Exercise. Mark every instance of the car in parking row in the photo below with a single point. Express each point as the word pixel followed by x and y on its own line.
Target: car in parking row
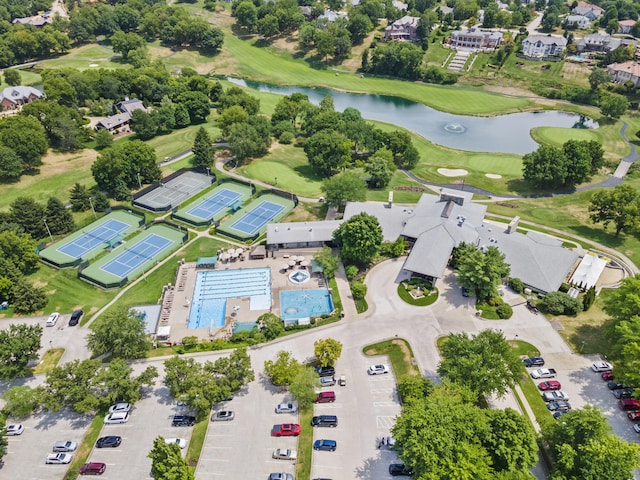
pixel 58 458
pixel 14 429
pixel 52 319
pixel 65 446
pixel 286 408
pixel 284 454
pixel 378 369
pixel 110 441
pixel 286 430
pixel 601 367
pixel 325 397
pixel 326 371
pixel 327 381
pixel 93 468
pixel 559 406
pixel 223 416
pixel 555 395
pixel 623 393
pixel 330 421
pixel 549 385
pixel 399 470
pixel 117 417
pixel 533 362
pixel 183 421
pixel 325 445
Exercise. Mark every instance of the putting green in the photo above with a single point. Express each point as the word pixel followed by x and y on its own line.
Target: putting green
pixel 557 136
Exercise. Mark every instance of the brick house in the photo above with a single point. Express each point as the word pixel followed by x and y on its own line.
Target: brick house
pixel 625 26
pixel 403 29
pixel 625 72
pixel 14 97
pixel 475 39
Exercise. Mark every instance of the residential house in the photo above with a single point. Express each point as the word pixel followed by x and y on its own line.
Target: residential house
pixel 601 42
pixel 539 47
pixel 403 29
pixel 625 72
pixel 400 5
pixel 578 21
pixel 475 39
pixel 592 12
pixel 331 16
pixel 625 26
pixel 444 9
pixel 121 120
pixel 36 20
pixel 14 97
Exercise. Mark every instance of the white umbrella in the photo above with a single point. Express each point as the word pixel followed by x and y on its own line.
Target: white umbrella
pixel 239 251
pixel 285 267
pixel 292 263
pixel 301 258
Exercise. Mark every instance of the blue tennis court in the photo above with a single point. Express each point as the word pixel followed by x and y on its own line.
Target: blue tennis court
pixel 134 256
pixel 258 217
pixel 209 207
pixel 93 238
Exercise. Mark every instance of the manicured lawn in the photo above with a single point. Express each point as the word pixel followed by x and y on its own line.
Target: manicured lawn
pixel 537 404
pixel 524 348
pixel 557 136
pixel 305 444
pixel 584 332
pixel 404 294
pixel 84 449
pixel 84 57
pixel 50 360
pixel 197 441
pixel 400 354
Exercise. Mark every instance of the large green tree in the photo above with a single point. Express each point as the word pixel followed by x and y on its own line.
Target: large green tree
pixel 167 462
pixel 359 239
pixel 20 251
pixel 10 165
pixel 328 151
pixel 546 167
pixel 19 344
pixel 613 105
pixel 120 332
pixel 619 206
pixel 21 400
pixel 3 438
pixel 79 198
pixel 344 187
pixel 283 369
pixel 59 219
pixel 27 298
pixel 203 150
pixel 380 168
pixel 117 383
pixel 485 363
pixel 327 351
pixel 72 384
pixel 25 136
pixel 303 387
pixel 30 215
pixel 329 262
pixel 481 271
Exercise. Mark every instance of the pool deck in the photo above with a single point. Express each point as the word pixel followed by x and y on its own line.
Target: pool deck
pixel 177 312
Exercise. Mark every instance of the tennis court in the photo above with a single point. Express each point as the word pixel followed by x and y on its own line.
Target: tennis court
pixel 251 222
pixel 90 241
pixel 169 194
pixel 215 205
pixel 135 256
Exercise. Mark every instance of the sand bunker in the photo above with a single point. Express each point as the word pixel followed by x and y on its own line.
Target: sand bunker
pixel 495 176
pixel 455 172
pixel 94 65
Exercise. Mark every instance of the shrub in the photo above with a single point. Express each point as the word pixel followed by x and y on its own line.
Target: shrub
pixel 559 303
pixel 351 271
pixel 589 298
pixel 358 290
pixel 495 301
pixel 504 311
pixel 286 138
pixel 189 342
pixel 564 288
pixel 516 285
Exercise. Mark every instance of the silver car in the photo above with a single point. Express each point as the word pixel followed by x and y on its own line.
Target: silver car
pixel 223 416
pixel 327 381
pixel 555 395
pixel 286 408
pixel 284 454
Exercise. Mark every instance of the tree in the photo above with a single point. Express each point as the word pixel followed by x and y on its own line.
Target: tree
pixel 344 187
pixel 246 15
pixel 579 162
pixel 230 116
pixel 59 219
pixel 3 437
pixel 144 124
pixel 328 260
pixel 126 43
pixel 29 214
pixel 19 344
pixel 268 26
pixel 414 388
pixel 246 141
pixel 597 77
pixel 72 384
pixel 271 326
pixel 328 151
pixel 79 198
pixel 283 370
pixel 103 139
pixel 100 202
pixel 20 251
pixel 21 400
pixel 546 167
pixel 12 77
pixel 303 387
pixel 624 302
pixel 203 150
pixel 613 105
pixel 118 385
pixel 620 206
pixel 560 303
pixel 482 271
pixel 28 298
pixel 511 441
pixel 167 462
pixel 25 136
pixel 359 239
pixel 380 168
pixel 327 351
pixel 197 104
pixel 485 363
pixel 10 165
pixel 120 332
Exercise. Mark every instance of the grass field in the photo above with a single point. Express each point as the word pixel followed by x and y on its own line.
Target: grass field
pixel 49 361
pixel 557 136
pixel 400 355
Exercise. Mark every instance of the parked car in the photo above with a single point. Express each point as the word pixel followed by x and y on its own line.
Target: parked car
pixel 325 397
pixel 325 421
pixel 325 445
pixel 533 362
pixel 181 442
pixel 286 408
pixel 286 430
pixel 554 396
pixel 117 417
pixel 327 381
pixel 14 429
pixel 636 427
pixel 629 404
pixel 544 373
pixel 280 476
pixel 183 421
pixel 399 469
pixel 223 416
pixel 284 454
pixel 53 319
pixel 549 385
pixel 120 407
pixel 623 393
pixel 111 441
pixel 378 369
pixel 59 458
pixel 326 371
pixel 559 413
pixel 601 367
pixel 93 468
pixel 65 446
pixel 561 405
pixel 606 376
pixel 616 385
pixel 633 416
pixel 75 317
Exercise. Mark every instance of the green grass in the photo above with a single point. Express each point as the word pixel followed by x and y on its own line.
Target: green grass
pixel 84 449
pixel 361 305
pixel 520 347
pixel 305 444
pixel 83 57
pixel 400 355
pixel 197 441
pixel 335 294
pixel 404 294
pixel 49 361
pixel 488 312
pixel 557 136
pixel 535 401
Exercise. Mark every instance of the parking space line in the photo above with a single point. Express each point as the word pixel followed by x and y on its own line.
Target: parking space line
pixel 385 404
pixel 385 421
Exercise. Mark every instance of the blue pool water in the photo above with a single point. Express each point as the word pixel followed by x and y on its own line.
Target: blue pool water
pixel 213 288
pixel 305 303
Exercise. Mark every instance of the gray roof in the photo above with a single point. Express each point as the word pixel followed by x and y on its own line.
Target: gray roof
pixel 114 121
pixel 130 106
pixel 547 39
pixel 149 314
pixel 297 232
pixel 391 219
pixel 19 93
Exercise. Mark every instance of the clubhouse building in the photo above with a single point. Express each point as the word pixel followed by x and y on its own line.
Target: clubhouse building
pixel 434 227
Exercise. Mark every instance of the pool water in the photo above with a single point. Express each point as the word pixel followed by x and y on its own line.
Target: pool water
pixel 213 288
pixel 296 304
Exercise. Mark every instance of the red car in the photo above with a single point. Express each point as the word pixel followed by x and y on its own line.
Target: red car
pixel 633 416
pixel 606 376
pixel 549 385
pixel 93 468
pixel 286 430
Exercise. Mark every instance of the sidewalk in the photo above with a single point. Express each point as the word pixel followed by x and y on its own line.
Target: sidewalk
pixel 344 290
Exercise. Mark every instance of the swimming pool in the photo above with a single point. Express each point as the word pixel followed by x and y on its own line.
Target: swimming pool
pixel 296 304
pixel 213 288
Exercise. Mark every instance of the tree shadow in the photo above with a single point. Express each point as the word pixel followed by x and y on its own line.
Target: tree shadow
pixel 307 171
pixel 590 339
pixel 375 467
pixel 46 419
pixel 600 235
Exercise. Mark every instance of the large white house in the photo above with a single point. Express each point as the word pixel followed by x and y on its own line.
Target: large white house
pixel 539 47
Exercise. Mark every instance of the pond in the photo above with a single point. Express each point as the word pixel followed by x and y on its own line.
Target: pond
pixel 503 133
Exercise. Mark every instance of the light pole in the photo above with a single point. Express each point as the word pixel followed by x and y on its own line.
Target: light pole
pixel 208 170
pixel 48 231
pixel 139 182
pixel 92 208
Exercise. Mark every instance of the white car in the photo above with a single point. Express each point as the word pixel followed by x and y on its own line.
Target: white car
pixel 117 417
pixel 223 416
pixel 284 454
pixel 181 442
pixel 378 369
pixel 14 429
pixel 555 396
pixel 120 407
pixel 602 367
pixel 58 458
pixel 53 319
pixel 286 408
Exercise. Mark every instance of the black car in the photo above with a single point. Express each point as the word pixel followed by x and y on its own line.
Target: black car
pixel 111 441
pixel 75 317
pixel 623 393
pixel 399 469
pixel 616 385
pixel 326 371
pixel 533 362
pixel 183 421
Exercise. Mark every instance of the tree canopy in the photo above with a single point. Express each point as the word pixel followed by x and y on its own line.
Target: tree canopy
pixel 327 351
pixel 328 151
pixel 283 369
pixel 120 332
pixel 619 206
pixel 19 344
pixel 359 239
pixel 480 271
pixel 344 187
pixel 167 462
